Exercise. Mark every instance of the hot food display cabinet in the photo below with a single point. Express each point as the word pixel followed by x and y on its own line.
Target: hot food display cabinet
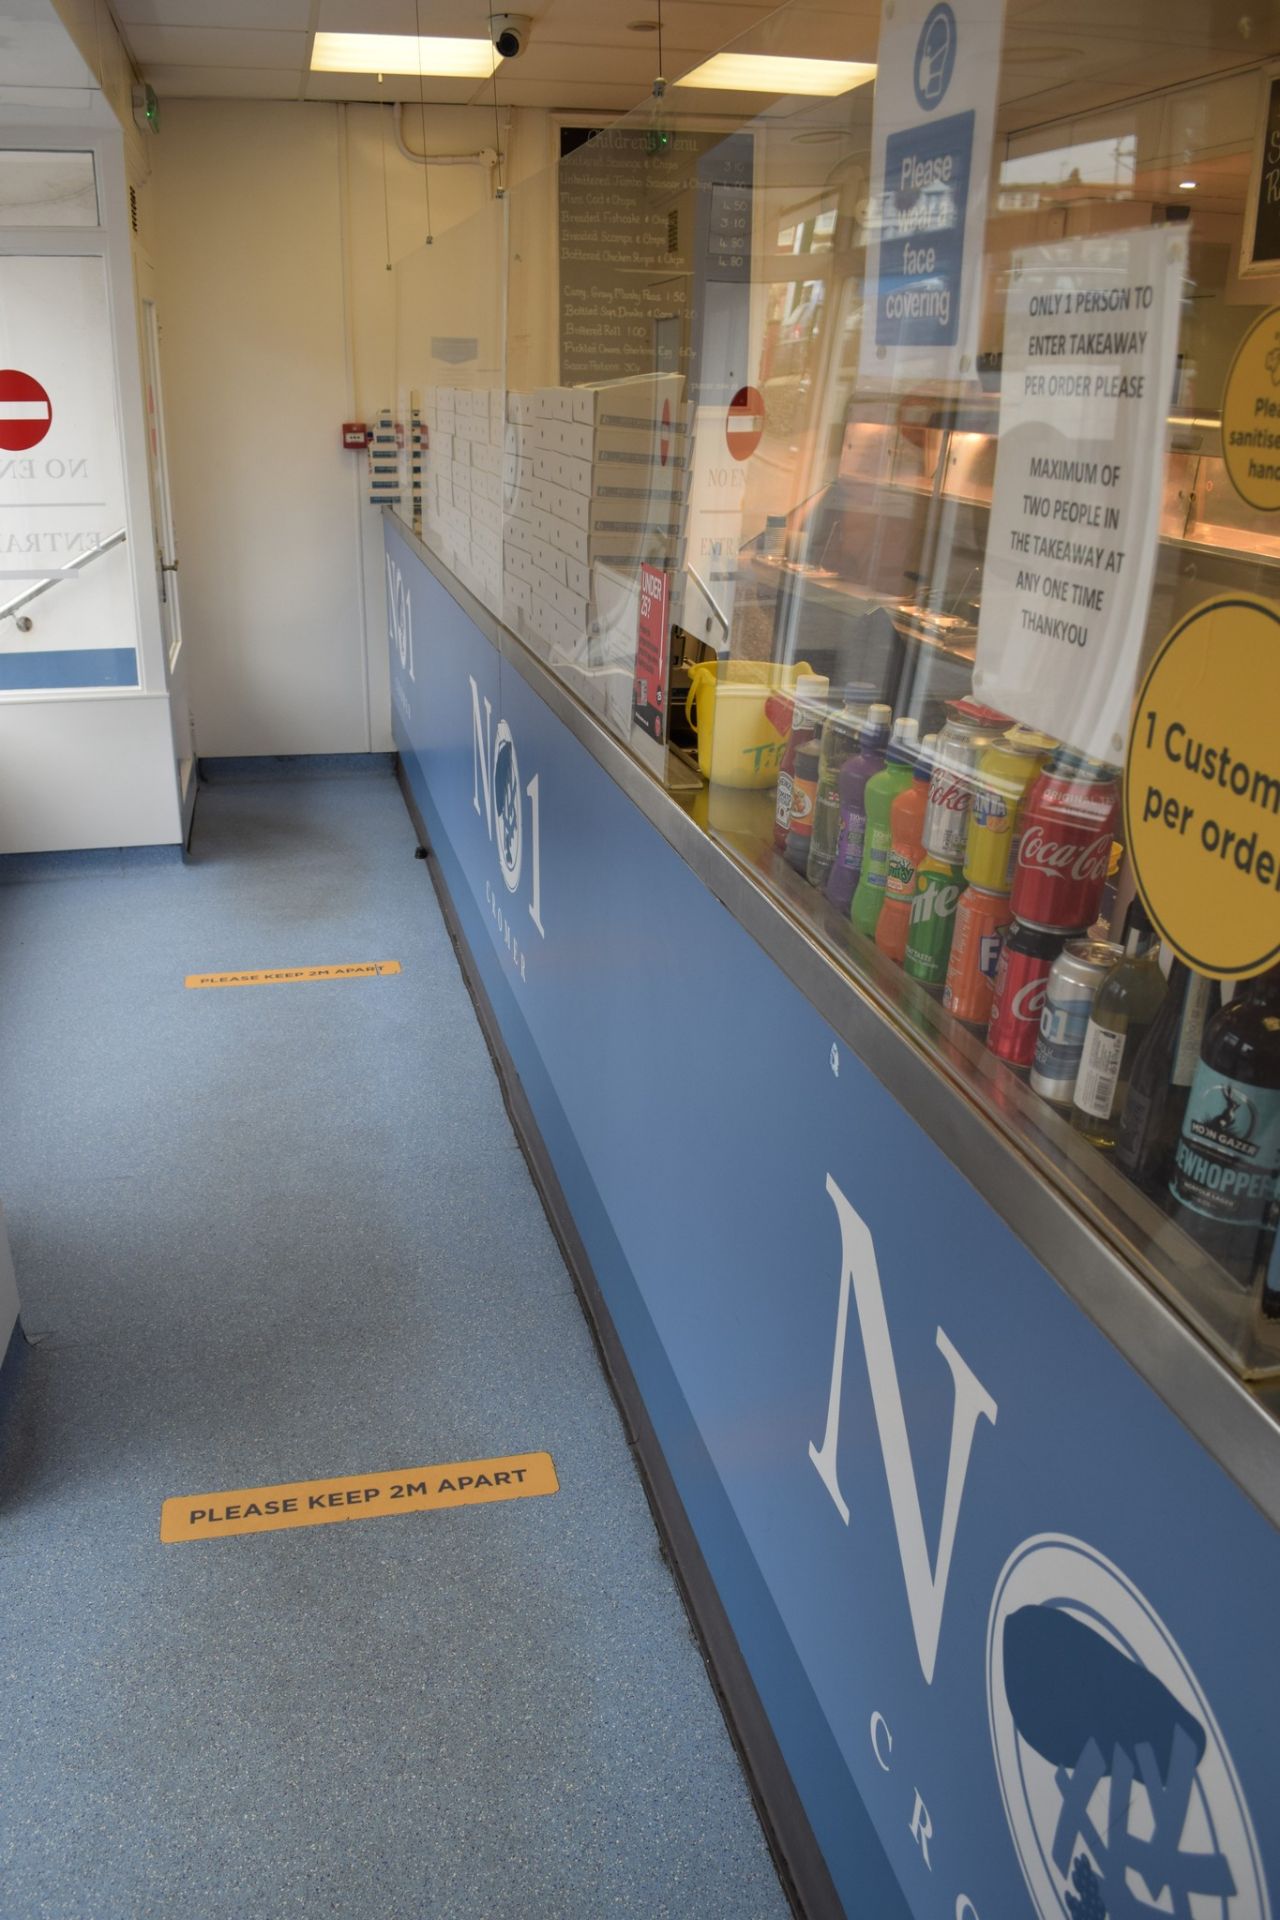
pixel 833 604
pixel 886 607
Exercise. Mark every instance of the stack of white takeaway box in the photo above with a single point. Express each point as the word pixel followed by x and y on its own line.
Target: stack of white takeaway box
pixel 463 486
pixel 544 498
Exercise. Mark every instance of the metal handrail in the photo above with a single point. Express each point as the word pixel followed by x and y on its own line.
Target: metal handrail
pixel 10 608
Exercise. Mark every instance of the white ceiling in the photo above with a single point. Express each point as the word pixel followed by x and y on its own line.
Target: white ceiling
pixel 1061 56
pixel 36 49
pixel 581 53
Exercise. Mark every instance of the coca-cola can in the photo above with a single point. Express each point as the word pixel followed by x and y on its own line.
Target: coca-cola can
pixel 1022 975
pixel 1064 850
pixel 968 730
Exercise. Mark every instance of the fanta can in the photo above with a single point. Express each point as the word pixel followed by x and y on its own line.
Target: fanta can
pixel 982 921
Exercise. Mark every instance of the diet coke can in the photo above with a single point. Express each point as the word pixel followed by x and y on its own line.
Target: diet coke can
pixel 1022 975
pixel 969 728
pixel 1065 848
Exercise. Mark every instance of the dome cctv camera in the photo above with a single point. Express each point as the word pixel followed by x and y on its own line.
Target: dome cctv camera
pixel 510 33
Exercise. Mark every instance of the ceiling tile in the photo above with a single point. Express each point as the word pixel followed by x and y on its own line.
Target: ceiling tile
pixel 850 31
pixel 39 53
pixel 223 83
pixel 469 18
pixel 216 47
pixel 583 96
pixel 685 23
pixel 269 15
pixel 364 86
pixel 633 66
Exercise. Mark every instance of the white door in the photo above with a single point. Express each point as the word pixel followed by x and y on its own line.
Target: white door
pixel 166 542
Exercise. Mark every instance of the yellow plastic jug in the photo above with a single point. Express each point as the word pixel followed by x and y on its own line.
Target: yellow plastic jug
pixel 731 707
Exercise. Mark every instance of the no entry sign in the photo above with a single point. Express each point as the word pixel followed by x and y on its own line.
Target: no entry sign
pixel 744 427
pixel 26 412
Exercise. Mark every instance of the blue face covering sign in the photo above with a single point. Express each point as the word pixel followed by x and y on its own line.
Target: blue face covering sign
pixel 1013 1628
pixel 938 67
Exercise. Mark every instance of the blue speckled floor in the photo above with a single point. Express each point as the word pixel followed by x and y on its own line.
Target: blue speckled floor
pixel 285 1232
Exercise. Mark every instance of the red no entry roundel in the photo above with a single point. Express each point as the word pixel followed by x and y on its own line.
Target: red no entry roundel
pixel 744 428
pixel 26 412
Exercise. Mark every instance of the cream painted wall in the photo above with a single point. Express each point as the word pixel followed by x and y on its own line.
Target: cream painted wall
pixel 278 323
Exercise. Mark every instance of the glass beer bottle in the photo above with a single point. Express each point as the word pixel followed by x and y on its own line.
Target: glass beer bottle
pixel 1226 1173
pixel 1163 1069
pixel 1127 1002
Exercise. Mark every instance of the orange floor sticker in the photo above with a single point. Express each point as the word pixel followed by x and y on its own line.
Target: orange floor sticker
pixel 276 976
pixel 317 1503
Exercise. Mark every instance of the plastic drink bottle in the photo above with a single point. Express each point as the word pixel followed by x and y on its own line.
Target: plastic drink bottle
pixel 840 737
pixel 882 790
pixel 906 851
pixel 804 792
pixel 852 783
pixel 806 719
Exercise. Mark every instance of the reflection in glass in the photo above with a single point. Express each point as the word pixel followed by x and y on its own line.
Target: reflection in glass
pixel 669 383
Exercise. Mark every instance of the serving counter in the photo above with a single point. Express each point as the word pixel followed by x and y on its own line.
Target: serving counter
pixel 978 1530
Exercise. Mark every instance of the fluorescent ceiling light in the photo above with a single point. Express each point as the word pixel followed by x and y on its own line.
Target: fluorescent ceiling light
pixel 1185 186
pixel 403 53
pixel 765 73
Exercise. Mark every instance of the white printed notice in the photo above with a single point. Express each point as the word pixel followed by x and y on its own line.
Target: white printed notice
pixel 1091 331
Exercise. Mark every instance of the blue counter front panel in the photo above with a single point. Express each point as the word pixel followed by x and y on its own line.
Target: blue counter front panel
pixel 1012 1628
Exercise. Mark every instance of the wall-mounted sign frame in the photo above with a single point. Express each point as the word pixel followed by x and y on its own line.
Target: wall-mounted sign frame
pixel 1260 241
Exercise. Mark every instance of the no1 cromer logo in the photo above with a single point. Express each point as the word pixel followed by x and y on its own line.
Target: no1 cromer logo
pixel 1121 1796
pixel 497 796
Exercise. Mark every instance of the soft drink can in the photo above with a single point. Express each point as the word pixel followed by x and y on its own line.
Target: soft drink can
pixel 969 728
pixel 982 921
pixel 933 916
pixel 1022 977
pixel 1064 849
pixel 1078 972
pixel 1004 773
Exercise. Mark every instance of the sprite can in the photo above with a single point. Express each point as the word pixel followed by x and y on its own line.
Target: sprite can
pixel 939 884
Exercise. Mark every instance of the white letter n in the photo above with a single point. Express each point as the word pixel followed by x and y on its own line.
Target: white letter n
pixel 481 763
pixel 926 1586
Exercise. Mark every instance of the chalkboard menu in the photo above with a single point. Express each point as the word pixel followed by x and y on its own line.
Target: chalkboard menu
pixel 626 203
pixel 1261 245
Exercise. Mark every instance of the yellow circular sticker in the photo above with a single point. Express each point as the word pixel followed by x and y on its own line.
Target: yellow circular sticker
pixel 1202 787
pixel 1251 415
